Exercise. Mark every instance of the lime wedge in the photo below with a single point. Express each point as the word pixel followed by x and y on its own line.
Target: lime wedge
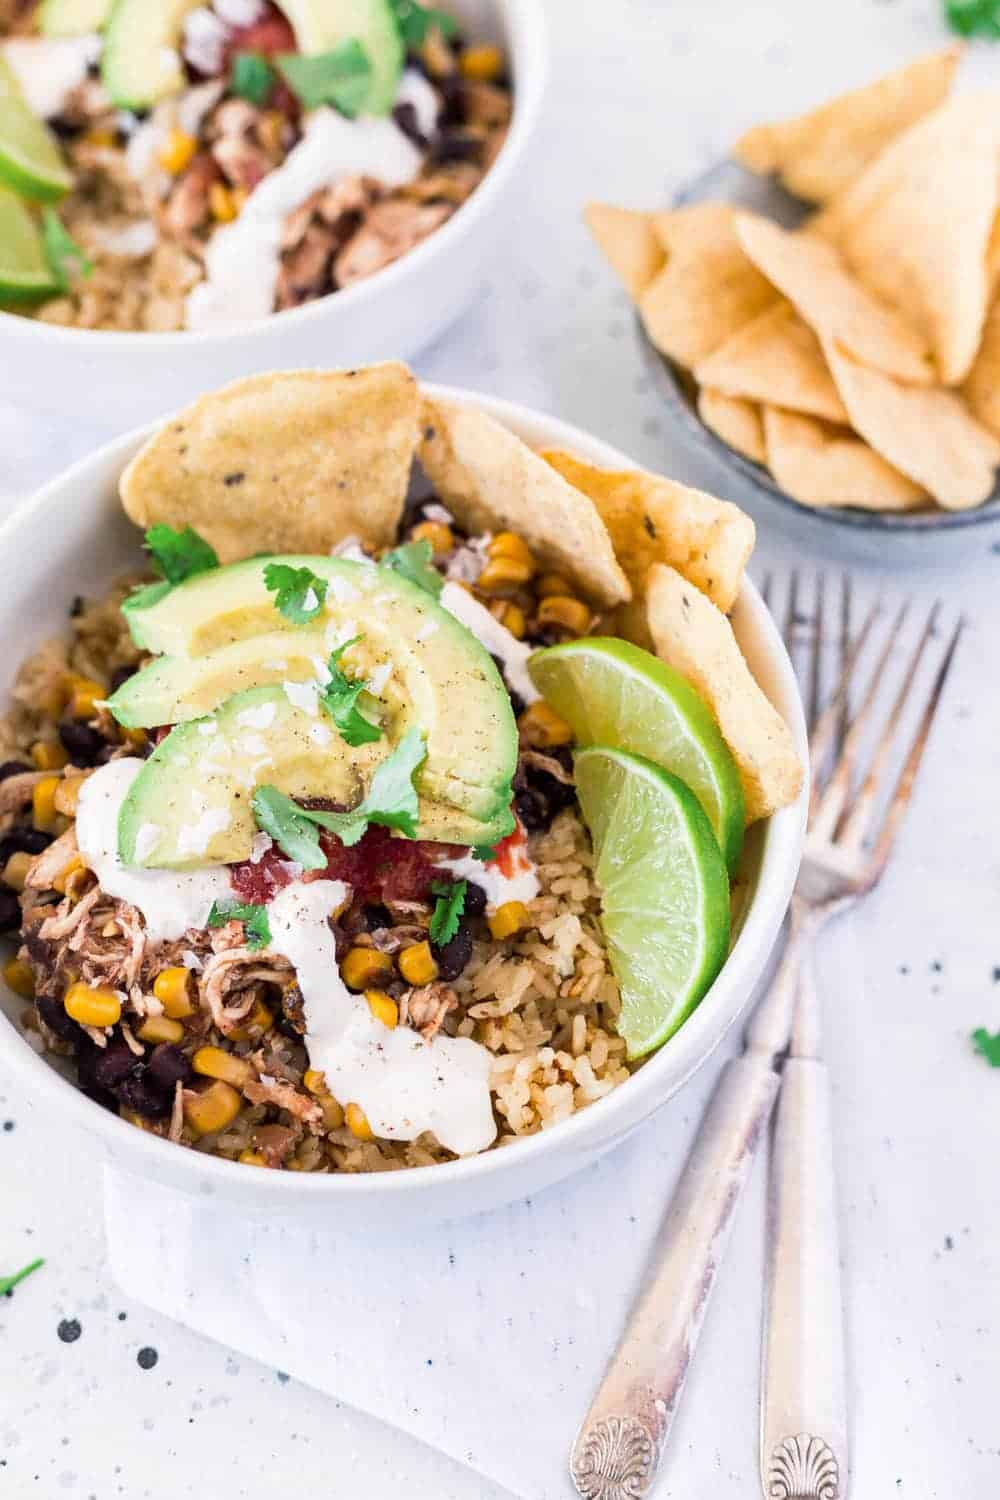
pixel 614 693
pixel 664 890
pixel 25 275
pixel 30 159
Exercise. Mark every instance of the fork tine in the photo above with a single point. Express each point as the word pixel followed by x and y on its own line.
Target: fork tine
pixel 791 610
pixel 817 650
pixel 908 775
pixel 852 831
pixel 766 585
pixel 830 804
pixel 845 643
pixel 826 725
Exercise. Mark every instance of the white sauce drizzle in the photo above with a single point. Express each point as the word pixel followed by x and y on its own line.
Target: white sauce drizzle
pixel 523 885
pixel 48 69
pixel 417 90
pixel 495 637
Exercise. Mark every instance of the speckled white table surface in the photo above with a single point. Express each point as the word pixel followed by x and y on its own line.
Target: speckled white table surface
pixel 643 94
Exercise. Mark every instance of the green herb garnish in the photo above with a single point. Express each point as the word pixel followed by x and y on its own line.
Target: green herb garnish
pixel 390 800
pixel 8 1283
pixel 415 21
pixel 253 917
pixel 413 562
pixel 987 1045
pixel 178 555
pixel 67 262
pixel 484 852
pixel 341 77
pixel 448 909
pixel 973 17
pixel 301 593
pixel 252 77
pixel 340 700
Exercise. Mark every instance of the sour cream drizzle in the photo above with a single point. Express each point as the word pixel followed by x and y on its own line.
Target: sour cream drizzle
pixel 495 637
pixel 48 69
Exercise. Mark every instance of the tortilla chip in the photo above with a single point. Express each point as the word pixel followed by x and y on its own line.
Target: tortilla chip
pixel 493 481
pixel 695 638
pixel 818 154
pixel 927 434
pixel 812 275
pixel 651 519
pixel 776 359
pixel 628 243
pixel 822 465
pixel 706 290
pixel 735 420
pixel 916 227
pixel 287 462
pixel 982 384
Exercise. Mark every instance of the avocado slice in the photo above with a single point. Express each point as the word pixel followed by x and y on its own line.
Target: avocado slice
pixel 191 802
pixel 323 25
pixel 73 17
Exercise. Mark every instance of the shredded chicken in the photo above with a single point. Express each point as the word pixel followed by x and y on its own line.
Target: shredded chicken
pixel 424 1009
pixel 389 230
pixel 46 867
pixel 547 763
pixel 274 1142
pixel 15 791
pixel 69 918
pixel 177 1113
pixel 270 1090
pixel 233 972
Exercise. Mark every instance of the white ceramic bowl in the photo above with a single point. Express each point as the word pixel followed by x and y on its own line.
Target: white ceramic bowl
pixel 73 537
pixel 133 377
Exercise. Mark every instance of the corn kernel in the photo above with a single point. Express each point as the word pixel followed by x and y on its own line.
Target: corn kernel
pixel 212 1109
pixel 482 64
pixel 172 987
pixel 416 964
pixel 160 1029
pixel 65 880
pixel 222 203
pixel 315 1081
pixel 68 795
pixel 15 871
pixel 383 1007
pixel 18 977
pixel 512 618
pixel 440 536
pixel 508 919
pixel 92 1006
pixel 131 1117
pixel 571 614
pixel 213 1062
pixel 136 739
pixel 552 583
pixel 509 544
pixel 83 698
pixel 362 965
pixel 43 803
pixel 333 1114
pixel 357 1122
pixel 252 1159
pixel 48 755
pixel 502 573
pixel 176 152
pixel 100 136
pixel 540 725
pixel 260 1018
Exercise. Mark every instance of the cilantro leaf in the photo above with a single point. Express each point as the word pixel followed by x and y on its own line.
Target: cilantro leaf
pixel 987 1046
pixel 177 555
pixel 252 77
pixel 340 698
pixel 974 17
pixel 67 261
pixel 485 852
pixel 413 561
pixel 300 592
pixel 415 21
pixel 289 826
pixel 341 77
pixel 253 917
pixel 8 1283
pixel 448 909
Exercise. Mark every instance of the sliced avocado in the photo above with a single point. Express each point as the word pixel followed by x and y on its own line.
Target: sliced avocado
pixel 224 634
pixel 191 802
pixel 73 17
pixel 323 25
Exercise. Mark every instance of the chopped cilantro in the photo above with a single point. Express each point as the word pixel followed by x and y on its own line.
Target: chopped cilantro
pixel 252 77
pixel 415 21
pixel 484 852
pixel 974 17
pixel 987 1045
pixel 340 700
pixel 177 555
pixel 390 800
pixel 67 261
pixel 300 592
pixel 448 909
pixel 341 77
pixel 253 917
pixel 413 561
pixel 8 1283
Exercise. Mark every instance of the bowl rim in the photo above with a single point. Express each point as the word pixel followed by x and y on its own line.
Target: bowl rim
pixel 602 1120
pixel 527 37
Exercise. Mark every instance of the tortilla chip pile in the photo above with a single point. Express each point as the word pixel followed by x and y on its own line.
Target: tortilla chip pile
pixel 301 461
pixel 857 357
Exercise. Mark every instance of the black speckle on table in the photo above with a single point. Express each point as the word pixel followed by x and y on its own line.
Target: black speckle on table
pixel 69 1330
pixel 936 966
pixel 122 1316
pixel 283 1376
pixel 146 1358
pixel 996 973
pixel 904 968
pixel 8 1126
pixel 949 1243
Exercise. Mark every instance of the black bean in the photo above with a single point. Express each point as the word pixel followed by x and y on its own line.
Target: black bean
pixel 374 917
pixel 453 956
pixel 10 911
pixel 169 1065
pixel 452 91
pixel 405 117
pixel 517 703
pixel 455 145
pixel 82 744
pixel 22 840
pixel 142 1094
pixel 532 809
pixel 120 675
pixel 475 899
pixel 13 768
pixel 104 1068
pixel 52 1013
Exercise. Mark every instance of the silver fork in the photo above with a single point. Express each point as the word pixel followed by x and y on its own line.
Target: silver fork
pixel 803 1453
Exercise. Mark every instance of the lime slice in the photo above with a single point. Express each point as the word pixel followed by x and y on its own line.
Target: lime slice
pixel 613 693
pixel 30 159
pixel 664 890
pixel 25 275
